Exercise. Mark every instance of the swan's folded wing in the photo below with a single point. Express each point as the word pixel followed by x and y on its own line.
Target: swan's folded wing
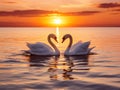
pixel 85 45
pixel 75 45
pixel 35 46
pixel 80 48
pixel 43 45
pixel 39 47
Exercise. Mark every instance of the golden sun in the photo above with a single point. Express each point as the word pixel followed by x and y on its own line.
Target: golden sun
pixel 57 21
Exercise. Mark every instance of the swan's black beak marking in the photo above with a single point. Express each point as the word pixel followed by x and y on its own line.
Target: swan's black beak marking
pixel 63 40
pixel 56 40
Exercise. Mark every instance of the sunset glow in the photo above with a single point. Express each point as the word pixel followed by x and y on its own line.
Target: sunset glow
pixel 75 13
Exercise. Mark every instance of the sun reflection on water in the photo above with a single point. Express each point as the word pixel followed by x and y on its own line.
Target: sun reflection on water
pixel 57 33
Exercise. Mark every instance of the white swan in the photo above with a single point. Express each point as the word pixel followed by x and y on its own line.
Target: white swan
pixel 78 48
pixel 43 49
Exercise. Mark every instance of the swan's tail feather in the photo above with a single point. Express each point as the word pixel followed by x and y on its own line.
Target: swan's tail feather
pixel 91 48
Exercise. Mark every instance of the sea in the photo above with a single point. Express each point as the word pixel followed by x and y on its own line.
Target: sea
pixel 97 71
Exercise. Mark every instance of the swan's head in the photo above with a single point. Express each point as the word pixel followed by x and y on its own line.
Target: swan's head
pixel 65 37
pixel 53 36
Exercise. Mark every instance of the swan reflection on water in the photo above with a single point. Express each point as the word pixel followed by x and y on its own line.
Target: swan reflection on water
pixel 38 61
pixel 61 67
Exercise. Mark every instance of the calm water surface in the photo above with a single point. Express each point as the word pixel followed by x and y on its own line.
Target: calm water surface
pixel 92 72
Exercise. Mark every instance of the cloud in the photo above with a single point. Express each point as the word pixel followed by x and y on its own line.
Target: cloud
pixel 117 10
pixel 10 2
pixel 82 13
pixel 35 13
pixel 109 5
pixel 25 13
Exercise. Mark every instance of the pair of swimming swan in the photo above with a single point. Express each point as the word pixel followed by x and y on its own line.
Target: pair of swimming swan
pixel 43 49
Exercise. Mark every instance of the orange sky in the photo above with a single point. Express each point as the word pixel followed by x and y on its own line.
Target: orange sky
pixel 32 13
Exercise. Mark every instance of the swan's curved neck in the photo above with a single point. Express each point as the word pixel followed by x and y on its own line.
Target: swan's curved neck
pixel 57 52
pixel 69 46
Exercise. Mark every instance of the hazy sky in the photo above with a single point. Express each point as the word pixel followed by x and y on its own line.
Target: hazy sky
pixel 72 12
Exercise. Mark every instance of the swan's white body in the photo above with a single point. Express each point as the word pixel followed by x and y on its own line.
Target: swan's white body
pixel 79 48
pixel 43 49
